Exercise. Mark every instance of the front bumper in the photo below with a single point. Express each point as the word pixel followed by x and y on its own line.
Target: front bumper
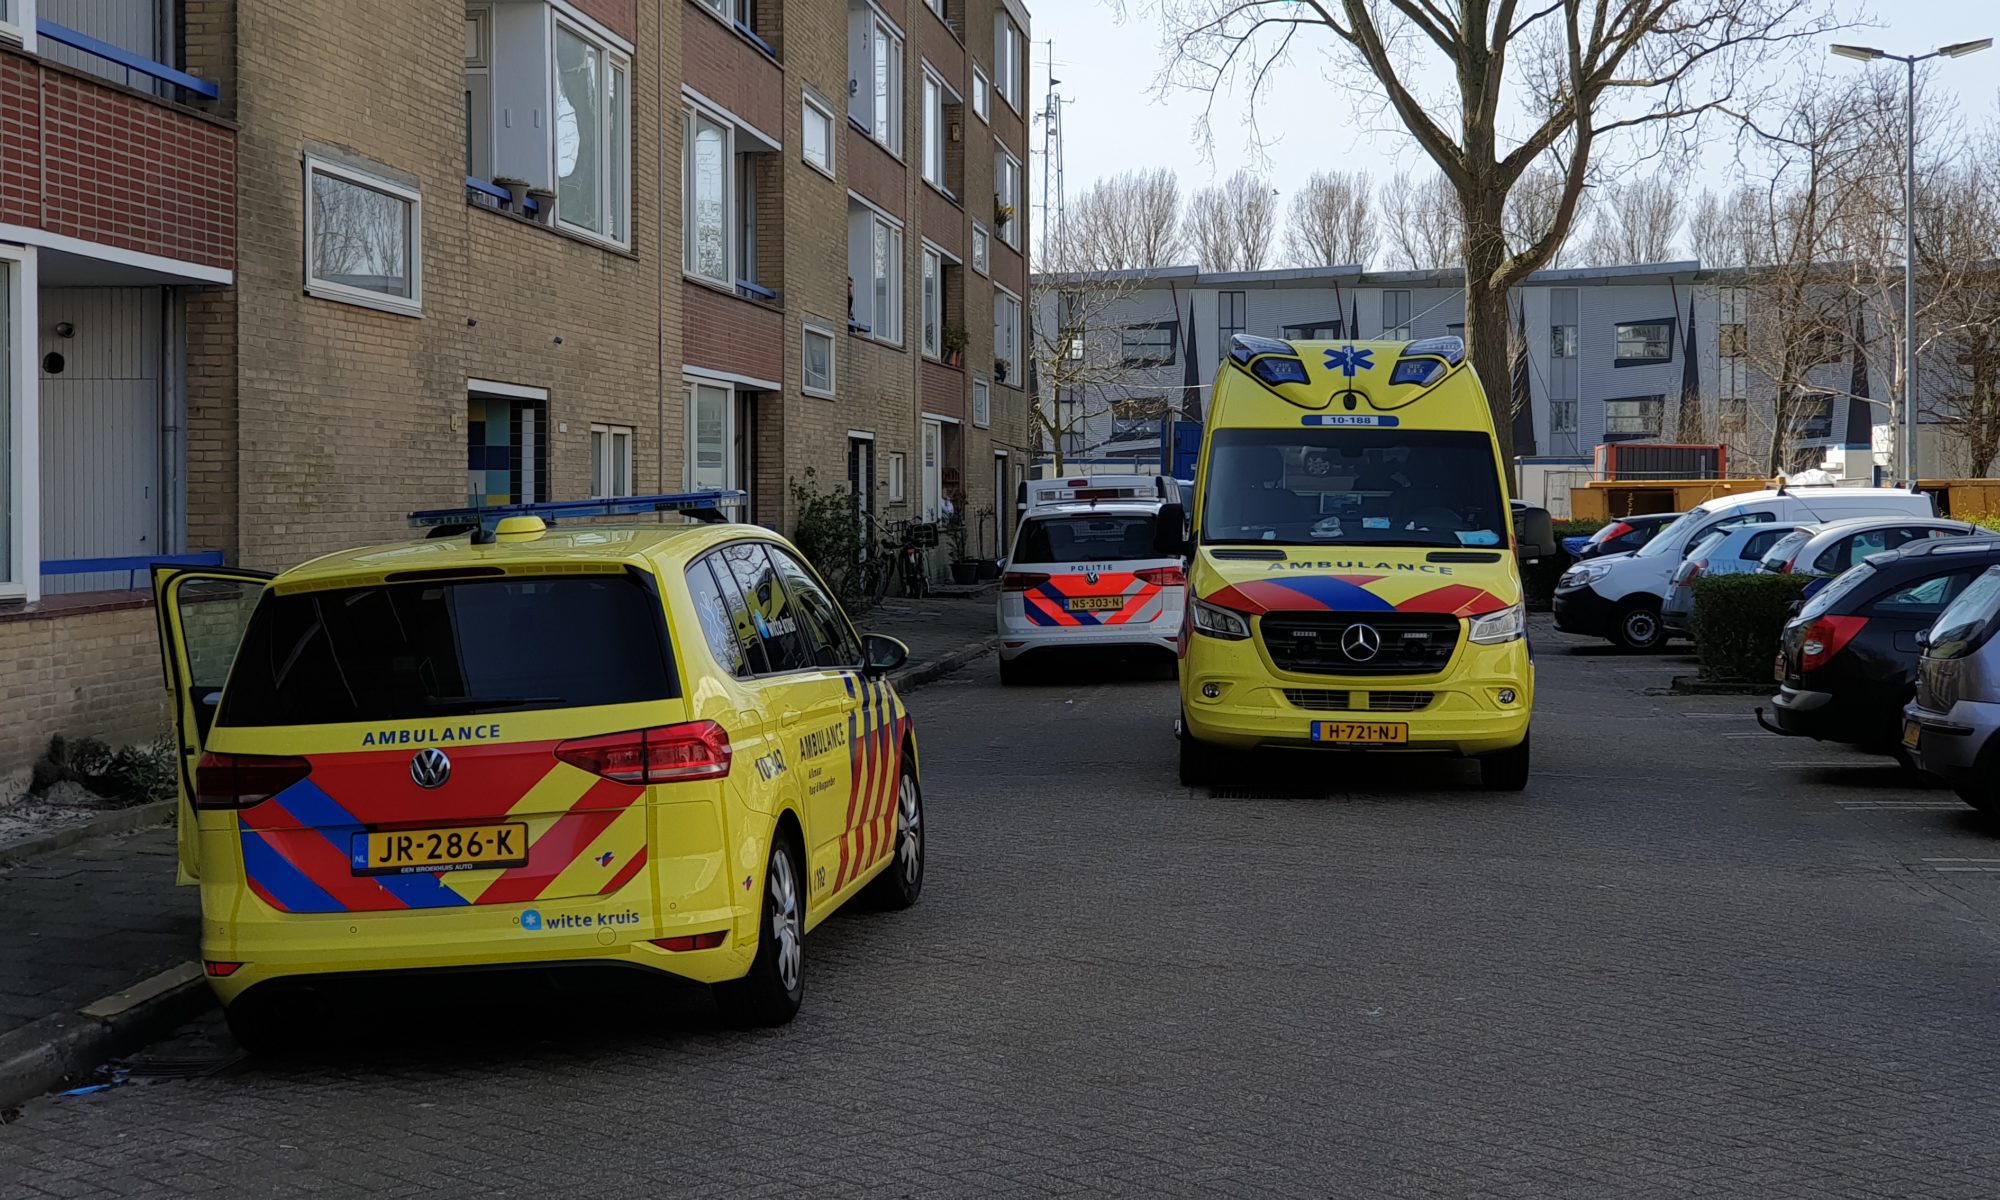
pixel 1580 609
pixel 1019 638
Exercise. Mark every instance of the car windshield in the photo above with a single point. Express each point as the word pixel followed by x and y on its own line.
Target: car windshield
pixel 1787 546
pixel 1111 537
pixel 402 651
pixel 1706 542
pixel 1961 626
pixel 1339 486
pixel 1659 542
pixel 1834 592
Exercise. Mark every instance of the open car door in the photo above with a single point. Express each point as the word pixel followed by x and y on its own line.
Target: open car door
pixel 202 612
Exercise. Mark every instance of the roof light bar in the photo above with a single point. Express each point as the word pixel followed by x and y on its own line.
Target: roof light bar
pixel 704 506
pixel 1451 349
pixel 1245 346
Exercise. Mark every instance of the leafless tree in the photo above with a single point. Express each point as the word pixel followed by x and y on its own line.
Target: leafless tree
pixel 1958 258
pixel 1332 221
pixel 1591 76
pixel 1636 222
pixel 1122 222
pixel 1234 226
pixel 1424 226
pixel 1717 227
pixel 1531 210
pixel 1083 367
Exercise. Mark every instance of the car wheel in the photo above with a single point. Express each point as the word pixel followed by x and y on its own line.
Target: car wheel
pixel 260 1026
pixel 1201 763
pixel 1639 626
pixel 1013 672
pixel 775 986
pixel 900 883
pixel 1506 771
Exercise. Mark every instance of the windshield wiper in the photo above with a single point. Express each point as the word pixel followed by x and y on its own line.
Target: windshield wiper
pixel 466 704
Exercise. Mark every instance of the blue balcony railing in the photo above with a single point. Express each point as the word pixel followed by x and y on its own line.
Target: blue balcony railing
pixel 63 35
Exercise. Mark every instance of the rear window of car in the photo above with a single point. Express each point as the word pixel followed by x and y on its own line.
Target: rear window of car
pixel 1963 625
pixel 1780 554
pixel 403 651
pixel 1833 593
pixel 1112 537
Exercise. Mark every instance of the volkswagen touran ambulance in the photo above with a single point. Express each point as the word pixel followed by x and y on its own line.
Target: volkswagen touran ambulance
pixel 1352 582
pixel 1087 573
pixel 659 746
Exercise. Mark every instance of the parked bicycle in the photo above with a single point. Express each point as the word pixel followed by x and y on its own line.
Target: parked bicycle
pixel 900 557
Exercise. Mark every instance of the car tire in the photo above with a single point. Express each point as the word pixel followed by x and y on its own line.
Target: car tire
pixel 770 994
pixel 1638 627
pixel 260 1026
pixel 1506 771
pixel 902 881
pixel 1201 763
pixel 1014 672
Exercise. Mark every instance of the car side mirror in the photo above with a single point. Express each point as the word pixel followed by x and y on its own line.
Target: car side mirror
pixel 1170 539
pixel 881 654
pixel 1923 639
pixel 1534 534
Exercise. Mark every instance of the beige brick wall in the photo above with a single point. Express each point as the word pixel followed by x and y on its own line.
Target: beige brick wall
pixel 89 675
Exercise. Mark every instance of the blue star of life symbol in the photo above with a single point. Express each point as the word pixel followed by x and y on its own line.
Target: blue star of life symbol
pixel 1349 360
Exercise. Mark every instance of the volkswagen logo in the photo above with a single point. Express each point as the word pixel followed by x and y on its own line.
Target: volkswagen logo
pixel 430 768
pixel 1360 643
pixel 1090 577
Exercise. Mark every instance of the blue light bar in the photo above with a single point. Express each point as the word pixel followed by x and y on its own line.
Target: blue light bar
pixel 1450 349
pixel 1421 371
pixel 1245 346
pixel 705 505
pixel 1275 370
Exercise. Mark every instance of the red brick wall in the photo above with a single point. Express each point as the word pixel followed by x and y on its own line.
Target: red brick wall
pixel 619 16
pixel 944 222
pixel 732 72
pixel 873 172
pixel 724 333
pixel 944 390
pixel 95 162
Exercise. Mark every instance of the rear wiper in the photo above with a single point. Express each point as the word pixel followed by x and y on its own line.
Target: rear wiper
pixel 464 704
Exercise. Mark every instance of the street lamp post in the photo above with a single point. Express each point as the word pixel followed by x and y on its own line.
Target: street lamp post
pixel 1907 442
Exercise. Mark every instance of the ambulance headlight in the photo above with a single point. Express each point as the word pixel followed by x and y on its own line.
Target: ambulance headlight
pixel 1507 625
pixel 1218 622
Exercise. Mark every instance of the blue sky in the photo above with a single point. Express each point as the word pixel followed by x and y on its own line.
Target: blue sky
pixel 1114 122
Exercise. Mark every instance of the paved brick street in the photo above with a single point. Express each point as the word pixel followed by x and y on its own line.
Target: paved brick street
pixel 1690 960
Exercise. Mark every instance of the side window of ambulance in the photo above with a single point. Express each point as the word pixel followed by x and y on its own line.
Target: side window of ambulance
pixel 717 619
pixel 831 641
pixel 770 618
pixel 742 627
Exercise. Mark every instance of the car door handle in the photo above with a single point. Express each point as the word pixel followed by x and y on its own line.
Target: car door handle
pixel 788 716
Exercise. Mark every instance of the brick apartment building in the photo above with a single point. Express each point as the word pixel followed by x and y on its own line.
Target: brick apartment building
pixel 273 275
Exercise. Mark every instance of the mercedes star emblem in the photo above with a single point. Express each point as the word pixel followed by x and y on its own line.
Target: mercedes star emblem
pixel 429 768
pixel 1361 642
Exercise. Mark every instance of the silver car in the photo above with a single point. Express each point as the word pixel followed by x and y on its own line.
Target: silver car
pixel 1831 547
pixel 1949 729
pixel 1729 550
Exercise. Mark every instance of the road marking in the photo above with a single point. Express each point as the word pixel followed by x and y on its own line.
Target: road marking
pixel 1724 716
pixel 1900 806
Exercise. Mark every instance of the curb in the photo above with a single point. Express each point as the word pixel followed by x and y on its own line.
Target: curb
pixel 63 1047
pixel 911 678
pixel 125 820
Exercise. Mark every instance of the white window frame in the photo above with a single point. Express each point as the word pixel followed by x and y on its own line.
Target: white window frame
pixel 691 388
pixel 982 403
pixel 896 473
pixel 617 159
pixel 930 302
pixel 882 29
pixel 807 331
pixel 935 134
pixel 982 249
pixel 730 250
pixel 327 289
pixel 605 459
pixel 1017 371
pixel 728 11
pixel 981 104
pixel 1007 54
pixel 22 27
pixel 20 570
pixel 1011 233
pixel 936 6
pixel 812 106
pixel 879 224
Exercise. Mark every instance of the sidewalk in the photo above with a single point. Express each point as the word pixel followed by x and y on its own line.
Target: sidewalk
pixel 90 922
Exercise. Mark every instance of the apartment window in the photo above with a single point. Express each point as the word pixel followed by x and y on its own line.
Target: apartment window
pixel 933 303
pixel 1147 345
pixel 982 403
pixel 478 91
pixel 1730 340
pixel 1730 379
pixel 979 101
pixel 818 140
pixel 897 470
pixel 361 238
pixel 9 338
pixel 705 203
pixel 1735 414
pixel 1315 331
pixel 1562 341
pixel 1007 60
pixel 1007 196
pixel 980 256
pixel 1138 419
pixel 1731 306
pixel 817 355
pixel 1231 314
pixel 11 22
pixel 729 10
pixel 1634 417
pixel 1562 417
pixel 936 6
pixel 1007 336
pixel 875 263
pixel 1396 315
pixel 1641 342
pixel 875 65
pixel 610 460
pixel 592 136
pixel 935 98
pixel 710 410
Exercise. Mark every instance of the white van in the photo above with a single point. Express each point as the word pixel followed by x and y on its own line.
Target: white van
pixel 1619 598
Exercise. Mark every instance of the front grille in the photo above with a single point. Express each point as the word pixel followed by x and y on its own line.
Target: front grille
pixel 1311 643
pixel 1319 700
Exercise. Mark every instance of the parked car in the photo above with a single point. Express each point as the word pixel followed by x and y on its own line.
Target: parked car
pixel 1847 663
pixel 1620 598
pixel 1725 550
pixel 1949 728
pixel 1828 548
pixel 1619 537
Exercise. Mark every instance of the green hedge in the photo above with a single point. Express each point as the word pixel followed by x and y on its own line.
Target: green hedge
pixel 1737 620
